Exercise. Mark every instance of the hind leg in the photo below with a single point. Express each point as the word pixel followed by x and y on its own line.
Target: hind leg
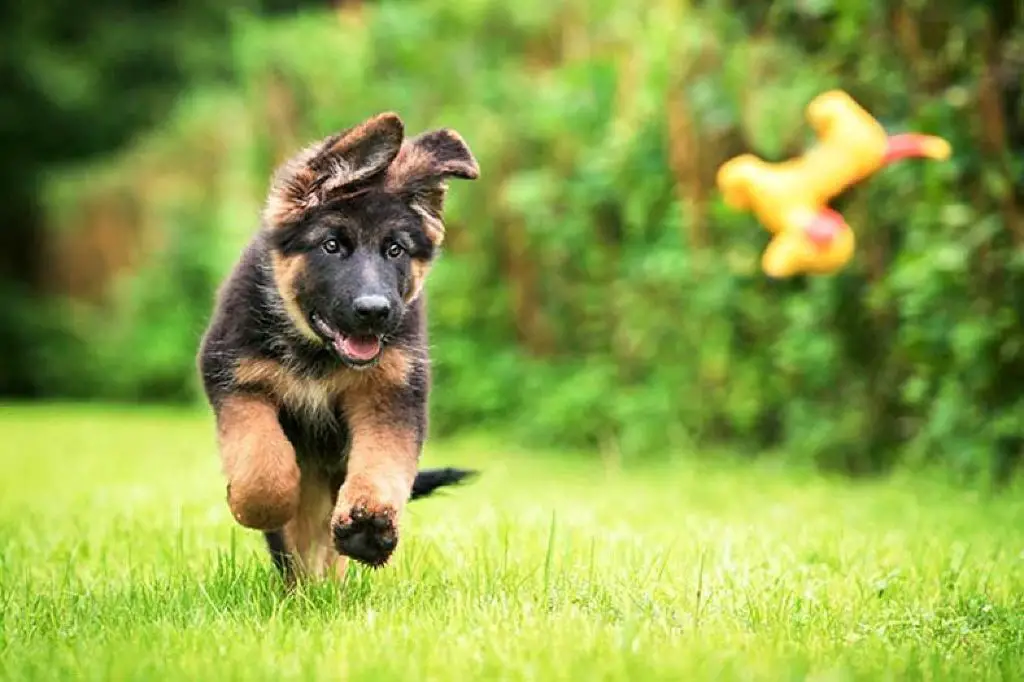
pixel 303 548
pixel 331 564
pixel 277 546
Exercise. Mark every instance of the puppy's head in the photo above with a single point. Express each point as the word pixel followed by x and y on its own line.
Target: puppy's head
pixel 354 222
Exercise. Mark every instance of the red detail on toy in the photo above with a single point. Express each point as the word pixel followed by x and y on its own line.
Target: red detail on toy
pixel 823 229
pixel 911 146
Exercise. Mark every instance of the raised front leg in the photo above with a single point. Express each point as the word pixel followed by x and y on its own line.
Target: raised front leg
pixel 381 468
pixel 258 461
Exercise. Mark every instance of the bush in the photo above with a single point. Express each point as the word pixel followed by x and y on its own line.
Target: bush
pixel 595 292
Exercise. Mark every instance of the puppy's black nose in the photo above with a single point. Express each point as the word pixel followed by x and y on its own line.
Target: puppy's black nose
pixel 371 309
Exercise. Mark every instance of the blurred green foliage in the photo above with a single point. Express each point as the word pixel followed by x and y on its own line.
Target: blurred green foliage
pixel 594 291
pixel 80 80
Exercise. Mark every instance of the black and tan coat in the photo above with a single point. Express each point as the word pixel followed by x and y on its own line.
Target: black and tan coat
pixel 315 362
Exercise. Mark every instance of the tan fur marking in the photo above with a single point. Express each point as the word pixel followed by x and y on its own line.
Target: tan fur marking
pixel 287 271
pixel 318 396
pixel 310 397
pixel 259 463
pixel 381 464
pixel 392 370
pixel 308 534
pixel 432 225
pixel 420 270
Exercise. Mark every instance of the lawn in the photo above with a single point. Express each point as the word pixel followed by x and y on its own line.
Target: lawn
pixel 120 562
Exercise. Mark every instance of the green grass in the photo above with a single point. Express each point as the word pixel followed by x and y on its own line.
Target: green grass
pixel 120 562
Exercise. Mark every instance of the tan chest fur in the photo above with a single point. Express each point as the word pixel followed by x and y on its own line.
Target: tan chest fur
pixel 316 398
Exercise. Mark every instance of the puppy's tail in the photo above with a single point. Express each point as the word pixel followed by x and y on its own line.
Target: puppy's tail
pixel 429 480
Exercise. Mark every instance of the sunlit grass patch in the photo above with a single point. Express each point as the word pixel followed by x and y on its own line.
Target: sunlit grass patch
pixel 119 561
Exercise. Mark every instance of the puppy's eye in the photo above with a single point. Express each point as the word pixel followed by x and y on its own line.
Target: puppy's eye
pixel 394 250
pixel 331 246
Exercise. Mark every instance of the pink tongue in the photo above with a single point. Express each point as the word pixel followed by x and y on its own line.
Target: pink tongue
pixel 358 348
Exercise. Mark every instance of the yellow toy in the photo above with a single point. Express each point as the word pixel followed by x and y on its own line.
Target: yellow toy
pixel 790 198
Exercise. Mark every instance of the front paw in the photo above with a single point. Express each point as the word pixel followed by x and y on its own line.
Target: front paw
pixel 366 532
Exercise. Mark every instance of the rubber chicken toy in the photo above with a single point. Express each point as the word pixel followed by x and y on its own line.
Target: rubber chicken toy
pixel 790 198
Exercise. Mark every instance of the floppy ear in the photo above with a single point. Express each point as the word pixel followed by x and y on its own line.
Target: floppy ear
pixel 332 166
pixel 422 168
pixel 433 156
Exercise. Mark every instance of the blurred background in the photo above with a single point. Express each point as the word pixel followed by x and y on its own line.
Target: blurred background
pixel 595 294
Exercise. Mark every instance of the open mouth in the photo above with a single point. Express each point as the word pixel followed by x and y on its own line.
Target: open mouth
pixel 357 351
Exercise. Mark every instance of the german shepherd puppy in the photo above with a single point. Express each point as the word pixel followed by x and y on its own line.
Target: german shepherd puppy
pixel 315 362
